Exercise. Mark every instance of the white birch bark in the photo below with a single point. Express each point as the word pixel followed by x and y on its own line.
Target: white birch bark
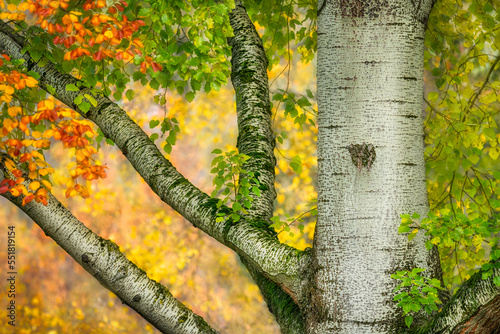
pixel 256 139
pixel 250 82
pixel 370 88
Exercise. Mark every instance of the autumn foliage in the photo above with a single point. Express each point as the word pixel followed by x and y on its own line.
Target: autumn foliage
pixel 31 126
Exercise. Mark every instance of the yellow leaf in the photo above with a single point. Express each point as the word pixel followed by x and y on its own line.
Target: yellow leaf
pixel 47 184
pixel 12 7
pixel 27 142
pixel 15 192
pixel 80 155
pixel 34 185
pixel 23 6
pixel 10 164
pixel 31 82
pixel 48 133
pixel 14 111
pixel 493 152
pixel 281 198
pixel 7 124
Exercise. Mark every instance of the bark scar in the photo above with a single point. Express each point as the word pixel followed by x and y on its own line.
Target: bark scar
pixel 362 155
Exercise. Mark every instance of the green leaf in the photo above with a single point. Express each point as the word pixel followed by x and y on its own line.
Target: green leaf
pixel 403 229
pixel 91 99
pixel 219 181
pixel 278 97
pixel 84 106
pixel 399 296
pixel 304 102
pixel 153 137
pixel 78 100
pixel 171 139
pixel 153 123
pixel 408 320
pixel 51 89
pixel 190 96
pixel 496 280
pixel 71 88
pixel 217 151
pixel 415 307
pixel 488 7
pixel 130 94
pixel 296 164
pixel 412 234
pixel 490 133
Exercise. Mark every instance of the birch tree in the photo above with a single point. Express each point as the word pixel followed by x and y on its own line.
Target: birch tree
pixel 370 154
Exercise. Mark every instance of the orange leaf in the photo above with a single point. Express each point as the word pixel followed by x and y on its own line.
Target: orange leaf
pixel 28 199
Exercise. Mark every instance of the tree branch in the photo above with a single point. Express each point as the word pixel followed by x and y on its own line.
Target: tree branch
pixel 282 306
pixel 278 262
pixel 250 82
pixel 103 260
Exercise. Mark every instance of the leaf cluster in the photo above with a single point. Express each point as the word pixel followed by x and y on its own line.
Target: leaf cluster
pixel 231 179
pixel 417 292
pixel 464 244
pixel 169 128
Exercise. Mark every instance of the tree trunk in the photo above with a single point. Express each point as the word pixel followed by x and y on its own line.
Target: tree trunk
pixel 371 169
pixel 370 162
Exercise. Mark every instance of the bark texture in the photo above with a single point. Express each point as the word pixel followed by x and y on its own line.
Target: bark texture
pixel 370 162
pixel 279 263
pixel 250 82
pixel 103 260
pixel 255 139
